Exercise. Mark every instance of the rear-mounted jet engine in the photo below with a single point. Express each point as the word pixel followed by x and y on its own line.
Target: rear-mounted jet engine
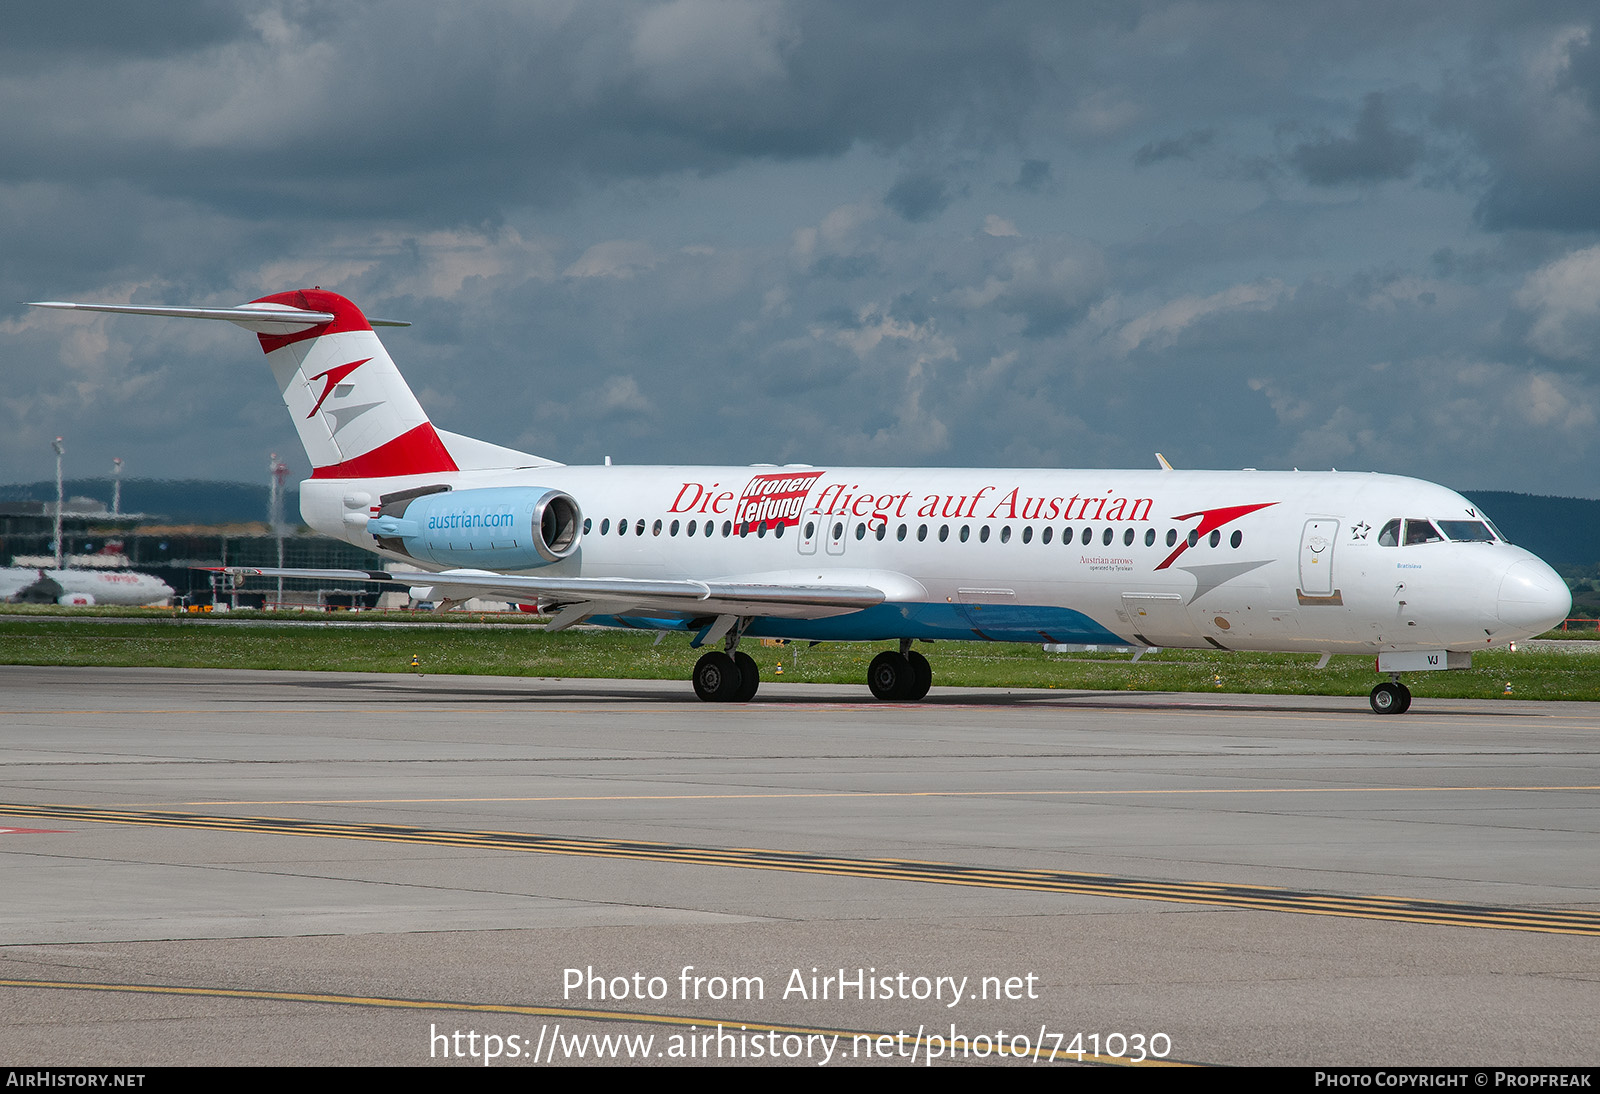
pixel 505 528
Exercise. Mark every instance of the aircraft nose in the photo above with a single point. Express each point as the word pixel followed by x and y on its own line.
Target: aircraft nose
pixel 1532 597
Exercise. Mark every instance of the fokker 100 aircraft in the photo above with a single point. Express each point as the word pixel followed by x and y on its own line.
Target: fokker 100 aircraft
pixel 1324 562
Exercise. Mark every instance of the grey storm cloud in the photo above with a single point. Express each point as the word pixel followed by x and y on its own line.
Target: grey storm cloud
pixel 1180 148
pixel 1374 151
pixel 450 112
pixel 919 196
pixel 1033 176
pixel 1534 117
pixel 809 230
pixel 108 30
pixel 388 108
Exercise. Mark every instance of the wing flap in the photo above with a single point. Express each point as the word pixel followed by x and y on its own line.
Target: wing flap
pixel 613 596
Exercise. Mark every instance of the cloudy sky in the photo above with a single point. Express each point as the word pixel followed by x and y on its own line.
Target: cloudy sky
pixel 1361 235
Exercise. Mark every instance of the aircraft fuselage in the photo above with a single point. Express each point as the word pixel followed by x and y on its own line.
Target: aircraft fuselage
pixel 1244 560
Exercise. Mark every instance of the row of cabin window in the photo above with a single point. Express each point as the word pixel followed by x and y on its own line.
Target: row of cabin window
pixel 1107 537
pixel 881 531
pixel 692 529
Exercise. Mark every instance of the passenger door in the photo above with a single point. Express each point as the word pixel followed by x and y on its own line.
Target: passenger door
pixel 1316 557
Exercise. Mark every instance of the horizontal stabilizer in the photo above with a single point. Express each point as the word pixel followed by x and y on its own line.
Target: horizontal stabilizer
pixel 260 318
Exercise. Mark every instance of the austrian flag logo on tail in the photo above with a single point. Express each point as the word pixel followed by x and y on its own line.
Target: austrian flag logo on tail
pixel 776 499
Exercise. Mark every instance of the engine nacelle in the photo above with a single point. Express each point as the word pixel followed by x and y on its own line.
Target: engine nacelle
pixel 498 528
pixel 76 600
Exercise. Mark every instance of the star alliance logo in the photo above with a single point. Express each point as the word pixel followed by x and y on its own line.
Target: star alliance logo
pixel 1360 530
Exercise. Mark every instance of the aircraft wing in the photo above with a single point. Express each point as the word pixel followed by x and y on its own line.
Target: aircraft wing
pixel 580 597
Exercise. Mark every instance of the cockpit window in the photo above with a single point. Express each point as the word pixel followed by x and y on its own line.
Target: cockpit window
pixel 1467 531
pixel 1421 531
pixel 1498 534
pixel 1390 536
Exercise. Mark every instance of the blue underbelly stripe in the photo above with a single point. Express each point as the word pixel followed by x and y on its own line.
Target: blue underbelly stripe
pixel 998 622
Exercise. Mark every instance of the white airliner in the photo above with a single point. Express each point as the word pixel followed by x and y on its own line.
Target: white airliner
pixel 81 587
pixel 1323 562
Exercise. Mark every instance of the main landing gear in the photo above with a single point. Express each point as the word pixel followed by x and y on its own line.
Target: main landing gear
pixel 905 676
pixel 726 677
pixel 1391 697
pixel 732 677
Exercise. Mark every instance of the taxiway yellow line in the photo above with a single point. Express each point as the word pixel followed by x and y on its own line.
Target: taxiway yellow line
pixel 1253 897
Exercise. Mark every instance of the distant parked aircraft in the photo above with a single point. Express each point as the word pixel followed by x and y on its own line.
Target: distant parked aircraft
pixel 24 586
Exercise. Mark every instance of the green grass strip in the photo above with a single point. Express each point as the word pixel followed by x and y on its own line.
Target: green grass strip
pixel 1563 673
